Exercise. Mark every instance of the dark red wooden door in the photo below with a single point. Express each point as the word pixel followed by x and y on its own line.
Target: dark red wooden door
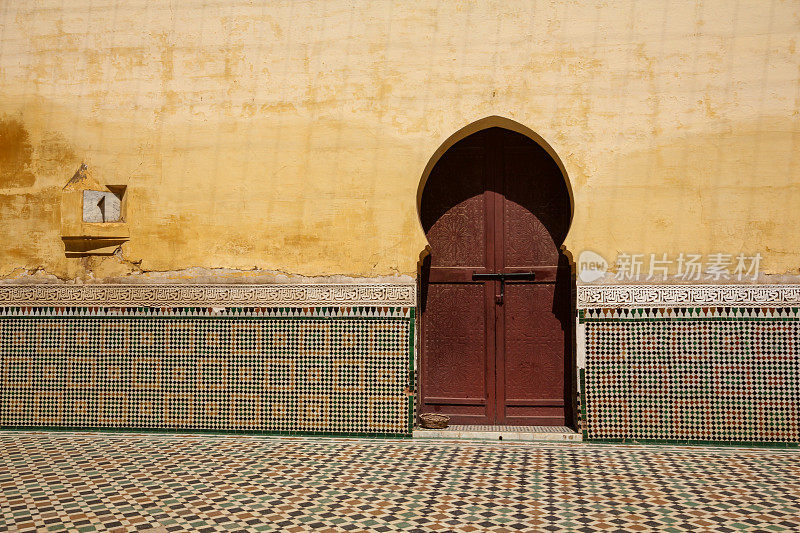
pixel 496 203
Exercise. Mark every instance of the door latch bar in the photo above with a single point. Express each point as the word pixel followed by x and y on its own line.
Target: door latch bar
pixel 502 277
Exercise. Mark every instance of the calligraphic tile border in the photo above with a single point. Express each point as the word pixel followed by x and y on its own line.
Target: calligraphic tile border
pixel 216 295
pixel 763 295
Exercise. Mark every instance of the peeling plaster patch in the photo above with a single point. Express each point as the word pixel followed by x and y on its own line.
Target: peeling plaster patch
pixel 195 275
pixel 117 269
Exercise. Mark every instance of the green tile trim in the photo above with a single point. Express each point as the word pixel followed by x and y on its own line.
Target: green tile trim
pixel 692 319
pixel 411 385
pixel 711 443
pixel 168 431
pixel 584 423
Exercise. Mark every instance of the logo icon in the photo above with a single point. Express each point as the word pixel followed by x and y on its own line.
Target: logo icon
pixel 591 266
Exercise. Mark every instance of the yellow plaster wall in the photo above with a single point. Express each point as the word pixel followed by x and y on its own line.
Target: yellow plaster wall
pixel 291 136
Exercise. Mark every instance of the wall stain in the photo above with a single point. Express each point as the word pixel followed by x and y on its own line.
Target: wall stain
pixel 54 155
pixel 34 231
pixel 15 154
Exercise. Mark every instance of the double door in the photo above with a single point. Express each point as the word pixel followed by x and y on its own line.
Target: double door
pixel 495 289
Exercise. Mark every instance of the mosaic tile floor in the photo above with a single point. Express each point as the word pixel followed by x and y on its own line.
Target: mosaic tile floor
pixel 130 482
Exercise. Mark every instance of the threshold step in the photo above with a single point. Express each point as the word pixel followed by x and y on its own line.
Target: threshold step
pixel 509 433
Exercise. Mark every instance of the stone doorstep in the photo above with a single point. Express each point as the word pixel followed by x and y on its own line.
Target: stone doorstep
pixel 499 433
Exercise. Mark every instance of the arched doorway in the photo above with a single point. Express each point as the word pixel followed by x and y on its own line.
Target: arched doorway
pixel 496 312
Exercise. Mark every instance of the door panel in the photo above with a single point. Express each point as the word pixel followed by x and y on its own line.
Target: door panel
pixel 455 369
pixel 457 323
pixel 535 220
pixel 533 356
pixel 536 209
pixel 455 218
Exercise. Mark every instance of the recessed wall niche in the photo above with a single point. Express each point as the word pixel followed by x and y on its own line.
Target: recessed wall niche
pixel 104 206
pixel 92 215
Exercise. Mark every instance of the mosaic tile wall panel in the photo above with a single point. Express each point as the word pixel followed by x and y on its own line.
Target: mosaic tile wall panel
pixel 704 374
pixel 321 370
